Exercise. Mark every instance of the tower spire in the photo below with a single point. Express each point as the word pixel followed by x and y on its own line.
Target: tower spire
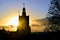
pixel 24 5
pixel 24 10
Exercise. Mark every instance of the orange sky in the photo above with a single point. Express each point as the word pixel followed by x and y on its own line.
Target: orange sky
pixel 12 19
pixel 13 13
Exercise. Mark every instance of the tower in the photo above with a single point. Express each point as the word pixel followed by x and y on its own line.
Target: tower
pixel 23 27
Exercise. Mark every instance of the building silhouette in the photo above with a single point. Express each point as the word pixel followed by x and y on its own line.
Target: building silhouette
pixel 23 27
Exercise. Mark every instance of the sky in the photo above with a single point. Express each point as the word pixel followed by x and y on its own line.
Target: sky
pixel 36 9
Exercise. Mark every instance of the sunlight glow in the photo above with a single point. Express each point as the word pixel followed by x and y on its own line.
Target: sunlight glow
pixel 13 21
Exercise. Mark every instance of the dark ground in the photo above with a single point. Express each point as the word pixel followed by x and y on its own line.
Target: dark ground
pixel 34 36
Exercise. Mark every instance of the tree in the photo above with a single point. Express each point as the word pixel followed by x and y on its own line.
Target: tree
pixel 54 16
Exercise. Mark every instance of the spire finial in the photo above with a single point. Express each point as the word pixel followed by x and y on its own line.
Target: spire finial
pixel 23 4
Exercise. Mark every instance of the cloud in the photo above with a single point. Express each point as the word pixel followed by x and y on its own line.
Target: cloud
pixel 38 25
pixel 35 25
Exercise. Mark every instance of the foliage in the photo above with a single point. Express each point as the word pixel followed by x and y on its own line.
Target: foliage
pixel 54 16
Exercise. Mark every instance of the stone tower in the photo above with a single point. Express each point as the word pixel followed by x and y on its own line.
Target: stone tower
pixel 24 27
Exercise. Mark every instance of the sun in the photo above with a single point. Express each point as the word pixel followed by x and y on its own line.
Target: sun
pixel 13 21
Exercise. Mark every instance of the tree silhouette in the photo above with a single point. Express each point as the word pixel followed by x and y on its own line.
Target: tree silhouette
pixel 53 16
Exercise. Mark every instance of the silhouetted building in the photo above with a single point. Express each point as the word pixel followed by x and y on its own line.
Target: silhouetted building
pixel 24 27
